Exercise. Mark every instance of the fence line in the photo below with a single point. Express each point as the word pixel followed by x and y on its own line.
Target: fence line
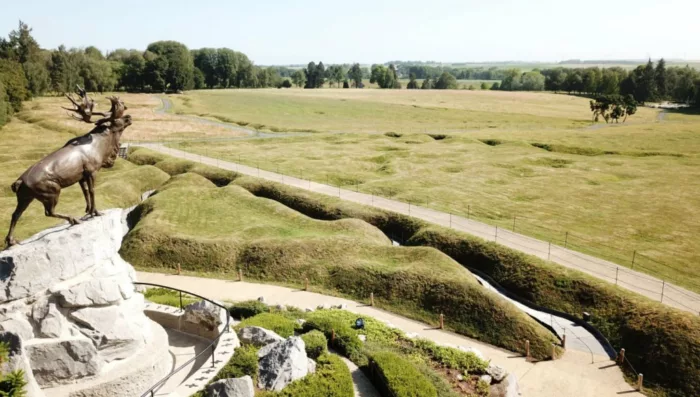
pixel 517 224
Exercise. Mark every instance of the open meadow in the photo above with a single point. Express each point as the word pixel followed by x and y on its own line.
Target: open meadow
pixel 532 160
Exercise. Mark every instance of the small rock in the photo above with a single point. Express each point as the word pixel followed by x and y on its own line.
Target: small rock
pixel 342 306
pixel 460 377
pixel 363 338
pixel 258 336
pixel 233 387
pixel 412 335
pixel 496 372
pixel 53 325
pixel 486 379
pixel 308 310
pixel 281 308
pixel 312 366
pixel 205 313
pixel 300 321
pixel 283 364
pixel 324 306
pixel 261 299
pixel 507 388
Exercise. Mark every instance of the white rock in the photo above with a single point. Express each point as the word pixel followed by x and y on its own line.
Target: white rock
pixel 308 310
pixel 342 306
pixel 311 366
pixel 206 314
pixel 363 338
pixel 58 254
pixel 283 364
pixel 262 352
pixel 281 308
pixel 97 292
pixel 472 350
pixel 460 377
pixel 496 372
pixel 18 360
pixel 412 335
pixel 54 324
pixel 507 388
pixel 233 387
pixel 18 324
pixel 261 299
pixel 117 331
pixel 486 379
pixel 63 361
pixel 258 336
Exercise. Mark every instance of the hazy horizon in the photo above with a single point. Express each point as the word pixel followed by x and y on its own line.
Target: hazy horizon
pixel 448 31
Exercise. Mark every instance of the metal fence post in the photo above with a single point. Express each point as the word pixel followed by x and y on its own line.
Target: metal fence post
pixel 180 300
pixel 634 255
pixel 566 239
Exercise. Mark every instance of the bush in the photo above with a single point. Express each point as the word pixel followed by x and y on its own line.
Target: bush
pixel 332 379
pixel 316 343
pixel 283 326
pixel 247 309
pixel 15 82
pixel 243 362
pixel 451 357
pixel 399 377
pixel 346 340
pixel 5 109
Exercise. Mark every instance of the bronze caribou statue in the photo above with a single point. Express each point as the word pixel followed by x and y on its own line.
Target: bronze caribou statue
pixel 76 162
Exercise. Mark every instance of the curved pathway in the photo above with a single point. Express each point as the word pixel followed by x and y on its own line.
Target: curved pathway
pixel 572 375
pixel 641 283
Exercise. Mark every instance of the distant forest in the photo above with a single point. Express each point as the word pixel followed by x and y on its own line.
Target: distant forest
pixel 28 70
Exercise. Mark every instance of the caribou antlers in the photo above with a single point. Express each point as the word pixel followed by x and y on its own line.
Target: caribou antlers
pixel 85 108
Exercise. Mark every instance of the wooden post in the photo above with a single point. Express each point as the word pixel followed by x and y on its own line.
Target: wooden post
pixel 554 351
pixel 617 272
pixel 621 357
pixel 527 349
pixel 332 335
pixel 514 223
pixel 306 284
pixel 549 251
pixel 563 341
pixel 179 269
pixel 442 321
pixel 469 211
pixel 496 238
pixel 371 298
pixel 240 274
pixel 634 255
pixel 640 380
pixel 566 239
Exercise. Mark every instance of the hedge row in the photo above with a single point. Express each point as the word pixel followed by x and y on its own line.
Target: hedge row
pixel 399 377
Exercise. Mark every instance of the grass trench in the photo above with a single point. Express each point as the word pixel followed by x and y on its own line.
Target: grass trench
pixel 661 342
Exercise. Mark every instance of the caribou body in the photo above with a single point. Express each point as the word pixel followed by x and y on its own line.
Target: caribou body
pixel 76 162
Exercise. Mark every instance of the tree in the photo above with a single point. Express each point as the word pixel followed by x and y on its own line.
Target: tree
pixel 22 48
pixel 446 82
pixel 5 107
pixel 355 74
pixel 646 83
pixel 207 61
pixel 320 75
pixel 15 83
pixel 531 81
pixel 199 80
pixel 346 84
pixel 286 84
pixel 613 107
pixel 299 78
pixel 660 77
pixel 412 83
pixel 495 86
pixel 378 74
pixel 427 84
pixel 178 69
pixel 336 74
pixel 511 80
pixel 310 73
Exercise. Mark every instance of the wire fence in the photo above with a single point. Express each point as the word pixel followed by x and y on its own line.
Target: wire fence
pixel 622 266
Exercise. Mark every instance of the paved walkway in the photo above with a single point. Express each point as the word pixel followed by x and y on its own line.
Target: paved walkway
pixel 183 347
pixel 572 375
pixel 641 283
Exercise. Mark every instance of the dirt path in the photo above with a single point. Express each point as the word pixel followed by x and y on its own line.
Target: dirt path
pixel 572 375
pixel 641 283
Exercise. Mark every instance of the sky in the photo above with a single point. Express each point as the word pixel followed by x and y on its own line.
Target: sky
pixel 276 32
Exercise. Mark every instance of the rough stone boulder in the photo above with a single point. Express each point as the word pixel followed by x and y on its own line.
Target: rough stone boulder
pixel 18 360
pixel 234 387
pixel 284 363
pixel 507 388
pixel 206 314
pixel 258 336
pixel 62 361
pixel 496 372
pixel 117 331
pixel 96 292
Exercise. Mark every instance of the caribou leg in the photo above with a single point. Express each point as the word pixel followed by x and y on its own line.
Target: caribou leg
pixel 50 206
pixel 84 188
pixel 90 179
pixel 22 204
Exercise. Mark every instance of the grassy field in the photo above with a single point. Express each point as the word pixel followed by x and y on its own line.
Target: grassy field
pixel 614 189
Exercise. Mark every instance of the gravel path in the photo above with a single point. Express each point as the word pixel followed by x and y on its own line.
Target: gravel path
pixel 624 277
pixel 571 375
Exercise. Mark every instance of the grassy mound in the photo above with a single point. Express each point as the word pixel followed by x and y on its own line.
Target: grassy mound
pixel 400 377
pixel 219 230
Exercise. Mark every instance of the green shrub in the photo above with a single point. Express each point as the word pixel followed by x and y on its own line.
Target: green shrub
pixel 316 343
pixel 13 383
pixel 247 309
pixel 451 357
pixel 332 379
pixel 164 296
pixel 243 362
pixel 282 325
pixel 399 377
pixel 346 340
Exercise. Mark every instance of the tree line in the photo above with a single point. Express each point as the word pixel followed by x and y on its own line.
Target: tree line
pixel 27 70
